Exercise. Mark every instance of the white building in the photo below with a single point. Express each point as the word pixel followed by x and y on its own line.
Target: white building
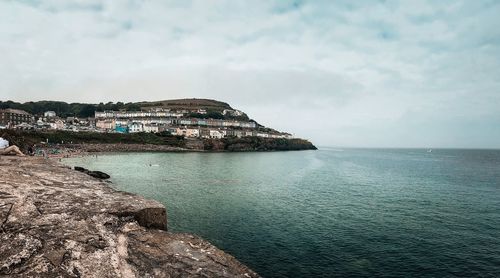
pixel 185 122
pixel 231 112
pixel 248 133
pixel 247 124
pixel 214 133
pixel 151 128
pixel 106 124
pixel 59 124
pixel 105 115
pixel 238 133
pixel 49 114
pixel 188 132
pixel 192 132
pixel 135 127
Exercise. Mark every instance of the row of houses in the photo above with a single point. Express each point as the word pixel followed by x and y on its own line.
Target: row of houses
pixel 19 119
pixel 226 132
pixel 15 116
pixel 69 123
pixel 108 119
pixel 139 114
pixel 134 122
pixel 171 121
pixel 191 132
pixel 216 123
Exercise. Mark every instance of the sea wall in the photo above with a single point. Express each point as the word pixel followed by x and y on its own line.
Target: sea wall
pixel 57 222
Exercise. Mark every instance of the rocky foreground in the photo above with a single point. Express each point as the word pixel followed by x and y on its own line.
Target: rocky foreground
pixel 57 222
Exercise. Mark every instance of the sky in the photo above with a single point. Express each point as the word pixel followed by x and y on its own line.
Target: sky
pixel 339 73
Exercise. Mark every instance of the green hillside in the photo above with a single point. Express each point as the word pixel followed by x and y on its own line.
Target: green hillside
pixel 214 108
pixel 188 103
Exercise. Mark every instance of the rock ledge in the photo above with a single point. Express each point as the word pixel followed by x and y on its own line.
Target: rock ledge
pixel 57 222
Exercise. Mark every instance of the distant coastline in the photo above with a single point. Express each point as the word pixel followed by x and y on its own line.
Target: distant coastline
pixel 168 125
pixel 66 143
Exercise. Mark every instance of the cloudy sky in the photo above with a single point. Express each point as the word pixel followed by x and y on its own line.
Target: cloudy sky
pixel 341 73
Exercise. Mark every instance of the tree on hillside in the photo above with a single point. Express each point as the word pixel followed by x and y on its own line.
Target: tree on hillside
pixel 87 110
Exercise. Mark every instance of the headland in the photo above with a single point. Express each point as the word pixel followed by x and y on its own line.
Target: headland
pixel 168 125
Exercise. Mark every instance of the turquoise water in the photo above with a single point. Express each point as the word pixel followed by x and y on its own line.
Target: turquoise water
pixel 332 212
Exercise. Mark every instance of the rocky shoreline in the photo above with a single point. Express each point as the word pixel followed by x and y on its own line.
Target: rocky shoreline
pixel 61 143
pixel 57 222
pixel 76 150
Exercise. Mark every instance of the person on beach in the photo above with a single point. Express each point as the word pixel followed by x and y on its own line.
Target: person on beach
pixel 31 150
pixel 6 149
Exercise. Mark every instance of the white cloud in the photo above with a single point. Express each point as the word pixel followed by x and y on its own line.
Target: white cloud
pixel 335 72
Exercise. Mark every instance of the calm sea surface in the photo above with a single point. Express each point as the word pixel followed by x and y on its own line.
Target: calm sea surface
pixel 332 212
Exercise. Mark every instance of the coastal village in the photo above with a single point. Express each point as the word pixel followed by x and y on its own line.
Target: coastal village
pixel 181 122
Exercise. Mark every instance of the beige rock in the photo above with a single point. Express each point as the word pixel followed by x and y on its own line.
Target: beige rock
pixel 57 222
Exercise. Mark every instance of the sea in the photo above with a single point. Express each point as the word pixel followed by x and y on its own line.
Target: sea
pixel 333 212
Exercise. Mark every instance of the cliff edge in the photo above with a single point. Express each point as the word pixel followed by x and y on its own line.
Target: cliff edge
pixel 57 222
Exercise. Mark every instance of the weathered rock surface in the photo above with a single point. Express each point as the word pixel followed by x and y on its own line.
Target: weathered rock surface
pixel 57 222
pixel 126 148
pixel 95 174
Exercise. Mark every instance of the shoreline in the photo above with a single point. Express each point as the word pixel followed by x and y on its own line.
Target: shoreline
pixel 61 222
pixel 74 142
pixel 60 151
